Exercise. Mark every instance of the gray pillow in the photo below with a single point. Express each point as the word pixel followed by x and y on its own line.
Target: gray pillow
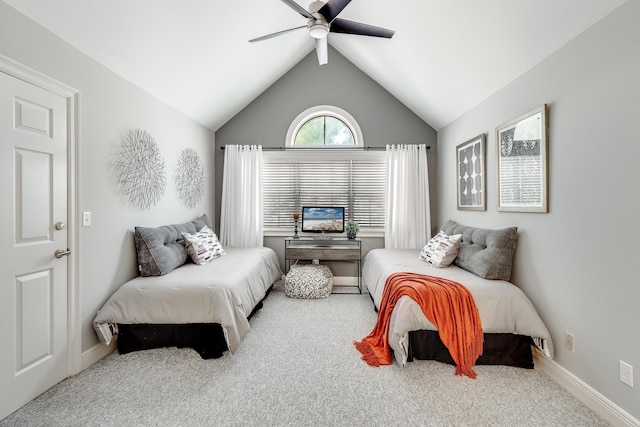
pixel 484 252
pixel 161 249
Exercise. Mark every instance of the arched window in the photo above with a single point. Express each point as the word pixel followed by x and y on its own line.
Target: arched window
pixel 326 175
pixel 324 126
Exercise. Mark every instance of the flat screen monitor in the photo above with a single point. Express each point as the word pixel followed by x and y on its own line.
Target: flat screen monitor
pixel 323 219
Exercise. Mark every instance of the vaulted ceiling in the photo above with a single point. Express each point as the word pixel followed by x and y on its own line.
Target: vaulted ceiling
pixel 446 56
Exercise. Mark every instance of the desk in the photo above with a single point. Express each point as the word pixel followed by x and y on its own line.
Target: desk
pixel 326 249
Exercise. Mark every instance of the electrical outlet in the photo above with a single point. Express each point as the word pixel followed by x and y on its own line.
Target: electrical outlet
pixel 569 342
pixel 626 373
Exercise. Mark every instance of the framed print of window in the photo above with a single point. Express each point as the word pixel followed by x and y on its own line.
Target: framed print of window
pixel 471 164
pixel 522 163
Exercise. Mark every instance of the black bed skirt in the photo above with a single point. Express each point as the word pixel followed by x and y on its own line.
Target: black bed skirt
pixel 205 338
pixel 498 349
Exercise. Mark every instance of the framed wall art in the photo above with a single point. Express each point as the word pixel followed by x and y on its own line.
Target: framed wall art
pixel 523 163
pixel 471 164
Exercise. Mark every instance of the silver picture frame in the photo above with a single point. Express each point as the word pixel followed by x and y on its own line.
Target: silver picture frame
pixel 522 153
pixel 471 175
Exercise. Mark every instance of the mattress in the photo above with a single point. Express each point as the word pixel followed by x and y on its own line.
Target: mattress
pixel 502 306
pixel 223 291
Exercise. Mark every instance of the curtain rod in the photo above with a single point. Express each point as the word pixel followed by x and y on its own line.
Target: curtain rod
pixel 315 148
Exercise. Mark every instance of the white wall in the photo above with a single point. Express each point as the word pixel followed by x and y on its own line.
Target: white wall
pixel 109 108
pixel 578 263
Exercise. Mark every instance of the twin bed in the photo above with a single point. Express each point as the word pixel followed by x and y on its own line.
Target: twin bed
pixel 510 322
pixel 178 302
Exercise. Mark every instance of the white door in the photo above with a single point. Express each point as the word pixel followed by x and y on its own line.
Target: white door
pixel 33 216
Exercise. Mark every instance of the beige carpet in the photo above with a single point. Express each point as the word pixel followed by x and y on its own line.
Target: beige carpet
pixel 298 367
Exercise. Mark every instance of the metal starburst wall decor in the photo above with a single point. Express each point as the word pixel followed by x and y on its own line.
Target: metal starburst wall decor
pixel 190 180
pixel 140 170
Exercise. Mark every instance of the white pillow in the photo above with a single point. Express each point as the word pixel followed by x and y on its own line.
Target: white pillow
pixel 202 246
pixel 441 250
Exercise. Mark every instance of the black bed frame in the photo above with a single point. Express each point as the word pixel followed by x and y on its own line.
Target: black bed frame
pixel 205 338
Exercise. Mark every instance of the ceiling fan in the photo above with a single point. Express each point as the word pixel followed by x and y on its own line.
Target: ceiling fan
pixel 322 19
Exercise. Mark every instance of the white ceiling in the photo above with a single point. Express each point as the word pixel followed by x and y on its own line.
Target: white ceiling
pixel 445 57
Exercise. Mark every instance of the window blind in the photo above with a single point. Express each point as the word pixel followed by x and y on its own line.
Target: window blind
pixel 296 178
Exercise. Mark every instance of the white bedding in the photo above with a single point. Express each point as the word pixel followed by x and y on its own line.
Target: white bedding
pixel 223 291
pixel 502 306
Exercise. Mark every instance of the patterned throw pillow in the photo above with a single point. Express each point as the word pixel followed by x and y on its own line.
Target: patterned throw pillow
pixel 441 250
pixel 202 246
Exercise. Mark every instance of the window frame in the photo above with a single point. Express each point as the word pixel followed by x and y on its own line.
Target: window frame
pixel 326 155
pixel 323 111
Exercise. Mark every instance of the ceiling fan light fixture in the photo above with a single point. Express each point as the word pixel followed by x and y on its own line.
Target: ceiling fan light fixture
pixel 322 18
pixel 318 29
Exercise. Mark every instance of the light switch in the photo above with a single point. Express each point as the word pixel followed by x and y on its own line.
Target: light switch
pixel 86 219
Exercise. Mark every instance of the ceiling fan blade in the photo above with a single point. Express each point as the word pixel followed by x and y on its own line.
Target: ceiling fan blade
pixel 268 36
pixel 350 27
pixel 295 6
pixel 332 8
pixel 321 50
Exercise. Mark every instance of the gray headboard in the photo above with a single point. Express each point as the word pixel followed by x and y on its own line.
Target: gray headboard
pixel 161 249
pixel 484 252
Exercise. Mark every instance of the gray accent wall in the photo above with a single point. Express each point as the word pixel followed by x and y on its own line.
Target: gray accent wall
pixel 382 118
pixel 578 263
pixel 109 107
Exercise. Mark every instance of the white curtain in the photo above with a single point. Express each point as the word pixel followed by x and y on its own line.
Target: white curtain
pixel 241 208
pixel 408 221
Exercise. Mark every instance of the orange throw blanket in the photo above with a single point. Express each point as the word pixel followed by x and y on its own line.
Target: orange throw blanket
pixel 447 304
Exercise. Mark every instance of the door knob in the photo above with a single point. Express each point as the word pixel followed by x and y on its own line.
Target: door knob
pixel 60 226
pixel 61 252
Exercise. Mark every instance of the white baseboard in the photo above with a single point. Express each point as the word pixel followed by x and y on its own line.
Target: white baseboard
pixel 95 353
pixel 585 393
